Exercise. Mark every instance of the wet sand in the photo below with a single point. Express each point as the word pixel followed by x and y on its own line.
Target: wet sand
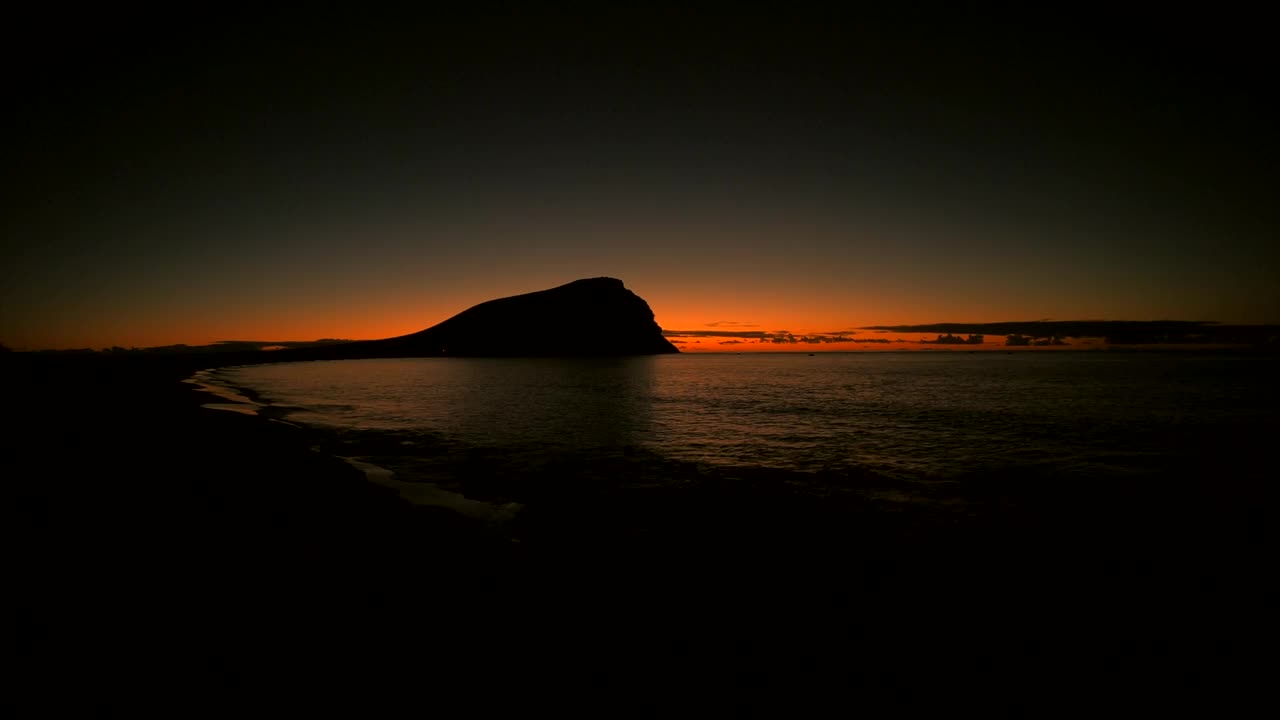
pixel 179 559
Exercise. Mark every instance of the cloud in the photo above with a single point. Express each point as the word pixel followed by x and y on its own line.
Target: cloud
pixel 1053 332
pixel 950 339
pixel 730 323
pixel 1022 340
pixel 784 337
pixel 732 342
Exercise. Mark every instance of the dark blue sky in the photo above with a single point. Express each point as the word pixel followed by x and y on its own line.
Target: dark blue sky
pixel 192 175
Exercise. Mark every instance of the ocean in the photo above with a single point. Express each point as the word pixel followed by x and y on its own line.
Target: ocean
pixel 486 436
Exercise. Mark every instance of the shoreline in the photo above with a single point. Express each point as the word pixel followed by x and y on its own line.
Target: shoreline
pixel 192 546
pixel 495 518
pixel 233 561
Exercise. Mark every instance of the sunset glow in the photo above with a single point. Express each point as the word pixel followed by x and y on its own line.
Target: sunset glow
pixel 639 358
pixel 842 174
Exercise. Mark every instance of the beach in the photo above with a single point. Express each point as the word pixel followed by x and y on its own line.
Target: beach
pixel 177 558
pixel 180 554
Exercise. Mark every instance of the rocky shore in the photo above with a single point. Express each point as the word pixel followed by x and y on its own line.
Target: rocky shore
pixel 176 559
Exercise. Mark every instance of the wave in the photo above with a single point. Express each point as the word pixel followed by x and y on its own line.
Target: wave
pixel 497 516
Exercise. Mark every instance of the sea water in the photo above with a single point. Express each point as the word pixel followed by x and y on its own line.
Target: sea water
pixel 919 416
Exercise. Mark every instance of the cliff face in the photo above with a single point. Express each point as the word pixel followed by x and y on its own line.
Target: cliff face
pixel 595 316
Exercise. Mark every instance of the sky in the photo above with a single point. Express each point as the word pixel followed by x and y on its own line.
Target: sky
pixel 203 174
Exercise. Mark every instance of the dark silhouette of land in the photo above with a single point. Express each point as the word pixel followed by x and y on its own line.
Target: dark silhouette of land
pixel 176 559
pixel 589 317
pixel 1116 332
pixel 592 317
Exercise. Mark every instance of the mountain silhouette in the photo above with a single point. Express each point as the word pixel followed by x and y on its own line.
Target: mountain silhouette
pixel 589 317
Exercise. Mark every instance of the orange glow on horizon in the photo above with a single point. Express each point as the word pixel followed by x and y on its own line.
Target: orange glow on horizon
pixel 736 321
pixel 895 342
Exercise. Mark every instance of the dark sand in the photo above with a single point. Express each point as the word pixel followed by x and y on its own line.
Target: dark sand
pixel 175 559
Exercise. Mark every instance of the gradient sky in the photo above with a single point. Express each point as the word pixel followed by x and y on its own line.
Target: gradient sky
pixel 188 176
